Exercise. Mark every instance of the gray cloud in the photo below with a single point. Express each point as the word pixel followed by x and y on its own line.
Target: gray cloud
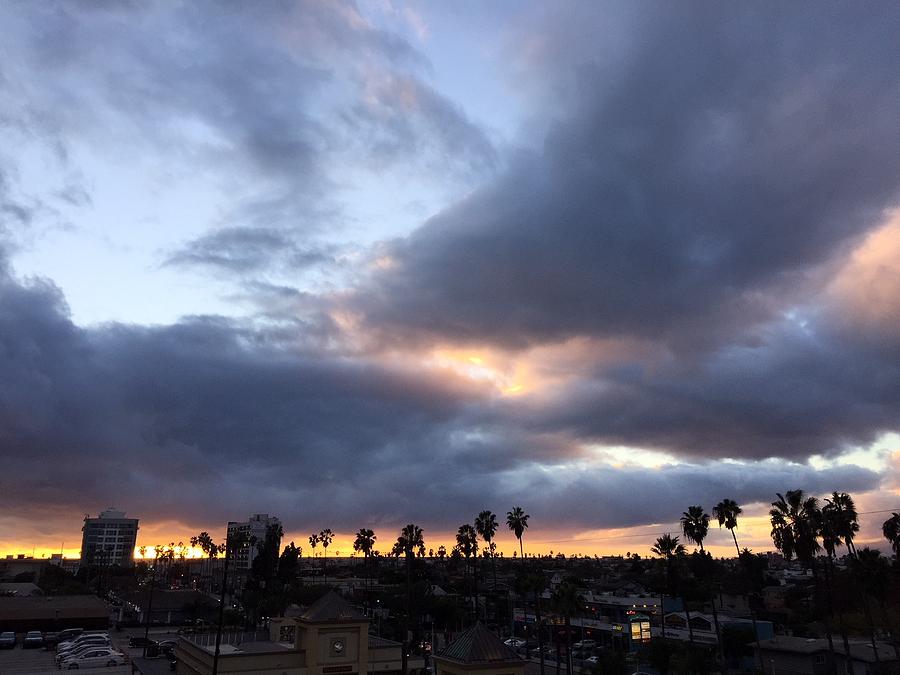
pixel 241 250
pixel 688 198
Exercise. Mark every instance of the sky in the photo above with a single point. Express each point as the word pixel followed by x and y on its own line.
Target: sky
pixel 364 264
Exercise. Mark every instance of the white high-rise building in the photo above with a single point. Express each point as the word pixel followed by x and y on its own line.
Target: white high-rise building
pixel 256 528
pixel 109 539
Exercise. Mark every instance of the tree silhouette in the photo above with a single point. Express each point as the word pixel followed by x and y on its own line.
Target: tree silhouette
pixel 517 521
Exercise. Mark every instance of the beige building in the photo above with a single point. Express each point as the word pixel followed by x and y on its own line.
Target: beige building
pixel 477 651
pixel 329 638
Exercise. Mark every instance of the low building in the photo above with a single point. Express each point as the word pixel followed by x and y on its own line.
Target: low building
pixel 21 589
pixel 787 655
pixel 328 638
pixel 53 613
pixel 167 608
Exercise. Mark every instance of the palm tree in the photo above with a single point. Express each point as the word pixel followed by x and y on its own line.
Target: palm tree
pixel 844 517
pixel 517 521
pixel 566 601
pixel 365 542
pixel 410 541
pixel 326 536
pixel 871 569
pixel 695 526
pixel 667 547
pixel 795 522
pixel 486 526
pixel 467 542
pixel 727 512
pixel 891 530
pixel 314 541
pixel 536 582
pixel 830 528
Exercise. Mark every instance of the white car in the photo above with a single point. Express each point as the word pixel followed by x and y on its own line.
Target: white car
pixel 94 658
pixel 592 660
pixel 80 640
pixel 516 643
pixel 585 644
pixel 74 651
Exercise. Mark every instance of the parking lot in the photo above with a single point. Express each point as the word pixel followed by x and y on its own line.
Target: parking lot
pixel 20 661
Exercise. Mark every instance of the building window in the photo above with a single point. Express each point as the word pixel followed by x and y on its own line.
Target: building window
pixel 819 659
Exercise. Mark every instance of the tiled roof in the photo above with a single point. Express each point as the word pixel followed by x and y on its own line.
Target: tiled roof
pixel 479 645
pixel 331 607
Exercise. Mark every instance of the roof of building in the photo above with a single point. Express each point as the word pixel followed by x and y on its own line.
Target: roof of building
pixel 49 606
pixel 330 608
pixel 165 599
pixel 376 642
pixel 479 645
pixel 20 588
pixel 859 651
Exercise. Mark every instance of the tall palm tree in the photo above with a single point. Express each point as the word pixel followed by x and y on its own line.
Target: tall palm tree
pixel 666 547
pixel 566 600
pixel 727 512
pixel 517 521
pixel 326 536
pixel 410 541
pixel 695 526
pixel 536 582
pixel 314 541
pixel 844 517
pixel 467 542
pixel 891 531
pixel 830 528
pixel 365 542
pixel 486 526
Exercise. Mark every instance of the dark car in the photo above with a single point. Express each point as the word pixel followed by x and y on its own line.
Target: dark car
pixel 140 641
pixel 33 639
pixel 7 640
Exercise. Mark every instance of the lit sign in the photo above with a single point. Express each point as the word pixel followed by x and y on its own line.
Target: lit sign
pixel 640 631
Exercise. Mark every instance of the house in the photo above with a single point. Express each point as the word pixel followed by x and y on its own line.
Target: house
pixel 328 638
pixel 787 655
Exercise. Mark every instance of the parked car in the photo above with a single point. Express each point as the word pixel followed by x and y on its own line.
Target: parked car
pixel 592 660
pixel 94 658
pixel 82 642
pixel 7 640
pixel 585 644
pixel 81 639
pixel 515 643
pixel 140 641
pixel 33 639
pixel 95 644
pixel 54 639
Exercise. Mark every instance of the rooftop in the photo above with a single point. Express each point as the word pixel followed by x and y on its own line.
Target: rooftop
pixel 479 645
pixel 331 608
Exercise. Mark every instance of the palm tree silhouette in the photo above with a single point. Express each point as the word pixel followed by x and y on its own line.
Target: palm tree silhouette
pixel 844 518
pixel 326 536
pixel 566 600
pixel 467 543
pixel 365 542
pixel 410 541
pixel 667 547
pixel 695 526
pixel 517 521
pixel 486 526
pixel 727 512
pixel 891 531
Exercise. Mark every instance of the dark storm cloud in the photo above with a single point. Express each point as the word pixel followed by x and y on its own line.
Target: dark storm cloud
pixel 687 196
pixel 800 391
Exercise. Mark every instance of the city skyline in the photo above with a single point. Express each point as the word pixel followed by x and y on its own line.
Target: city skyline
pixel 365 264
